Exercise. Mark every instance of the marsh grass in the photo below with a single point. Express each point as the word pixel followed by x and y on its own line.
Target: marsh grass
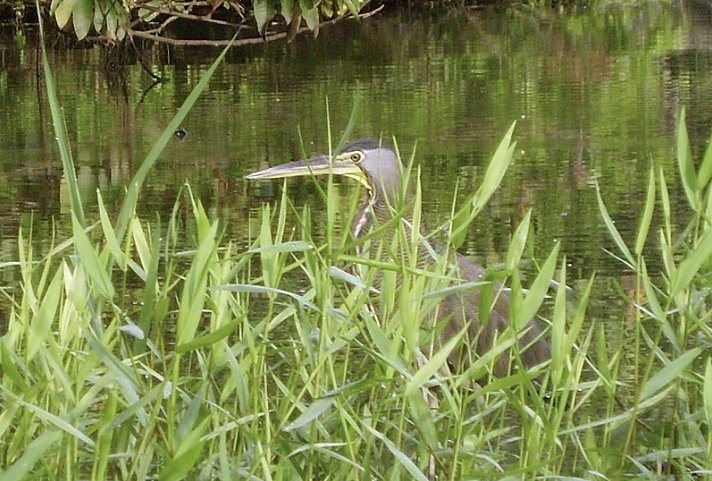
pixel 126 357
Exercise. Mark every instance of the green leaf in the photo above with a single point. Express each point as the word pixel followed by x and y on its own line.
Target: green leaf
pixel 460 222
pixel 310 14
pixel 668 374
pixel 400 456
pixel 353 6
pixel 129 204
pixel 60 129
pixel 647 215
pixel 707 392
pixel 650 293
pixel 494 174
pixel 689 267
pixel 189 453
pixel 51 418
pixel 151 309
pixel 112 22
pixel 209 339
pixel 538 289
pixel 423 417
pixel 316 409
pixel 99 16
pixel 579 316
pixel 705 172
pixel 684 163
pixel 612 230
pixel 9 364
pixel 141 243
pixel 53 5
pixel 356 281
pixel 112 243
pixel 519 242
pixel 123 26
pixel 83 17
pixel 90 260
pixel 287 7
pixel 194 289
pixel 41 322
pixel 496 169
pixel 32 453
pixel 63 12
pixel 264 12
pixel 558 328
pixel 433 364
pixel 268 290
pixel 292 246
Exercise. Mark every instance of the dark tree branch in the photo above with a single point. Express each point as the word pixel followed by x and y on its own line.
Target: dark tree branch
pixel 189 16
pixel 244 41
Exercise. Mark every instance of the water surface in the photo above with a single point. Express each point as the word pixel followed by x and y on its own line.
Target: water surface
pixel 595 95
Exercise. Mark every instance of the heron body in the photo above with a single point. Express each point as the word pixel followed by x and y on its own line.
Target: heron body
pixel 376 166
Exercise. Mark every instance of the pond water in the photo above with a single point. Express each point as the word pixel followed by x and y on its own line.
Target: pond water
pixel 595 94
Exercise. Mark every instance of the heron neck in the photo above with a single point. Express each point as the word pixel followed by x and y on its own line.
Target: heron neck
pixel 376 209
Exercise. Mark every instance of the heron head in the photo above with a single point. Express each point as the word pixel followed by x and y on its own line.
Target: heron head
pixel 372 163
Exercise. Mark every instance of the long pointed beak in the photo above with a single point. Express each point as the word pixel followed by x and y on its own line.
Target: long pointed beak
pixel 321 165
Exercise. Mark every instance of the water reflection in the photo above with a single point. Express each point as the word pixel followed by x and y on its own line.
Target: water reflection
pixel 595 95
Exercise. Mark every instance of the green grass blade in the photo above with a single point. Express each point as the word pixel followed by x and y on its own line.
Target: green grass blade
pixel 612 230
pixel 400 456
pixel 579 317
pixel 194 289
pixel 348 131
pixel 53 419
pixel 537 291
pixel 141 245
pixel 433 364
pixel 90 260
pixel 315 409
pixel 519 242
pixel 496 169
pixel 650 293
pixel 151 310
pixel 41 323
pixel 707 400
pixel 187 456
pixel 668 374
pixel 692 263
pixel 33 453
pixel 129 204
pixel 559 352
pixel 685 164
pixel 705 172
pixel 647 215
pixel 209 339
pixel 60 131
pixel 112 242
pixel 135 409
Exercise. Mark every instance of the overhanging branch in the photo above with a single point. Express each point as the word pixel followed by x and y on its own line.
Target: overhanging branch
pixel 241 42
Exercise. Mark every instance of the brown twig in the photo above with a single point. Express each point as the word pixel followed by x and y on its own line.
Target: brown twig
pixel 237 43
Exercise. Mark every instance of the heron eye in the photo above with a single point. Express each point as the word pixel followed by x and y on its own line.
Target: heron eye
pixel 355 157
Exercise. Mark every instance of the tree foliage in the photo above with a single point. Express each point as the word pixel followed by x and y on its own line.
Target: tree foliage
pixel 112 20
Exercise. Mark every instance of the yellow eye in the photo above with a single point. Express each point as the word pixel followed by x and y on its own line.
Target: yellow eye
pixel 356 157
